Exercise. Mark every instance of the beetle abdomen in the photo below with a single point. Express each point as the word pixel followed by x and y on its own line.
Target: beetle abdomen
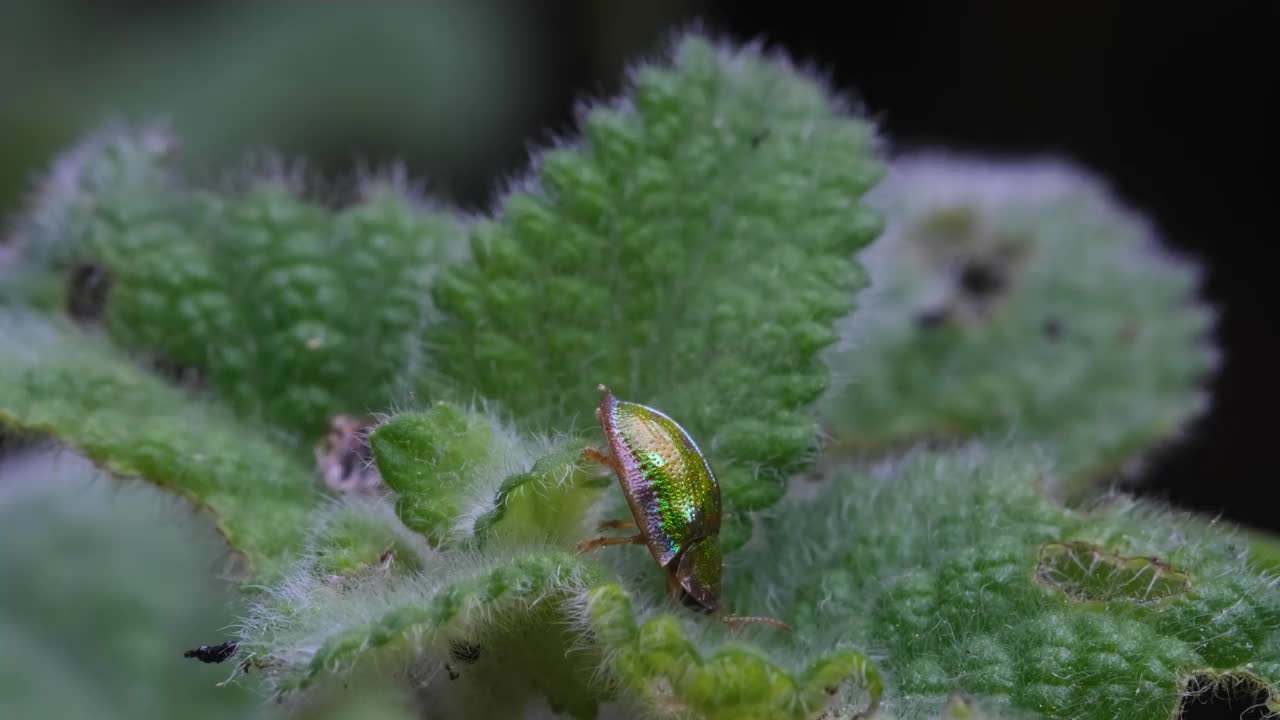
pixel 669 485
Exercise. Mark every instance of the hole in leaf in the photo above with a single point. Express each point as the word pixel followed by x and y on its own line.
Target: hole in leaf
pixel 1227 696
pixel 1086 572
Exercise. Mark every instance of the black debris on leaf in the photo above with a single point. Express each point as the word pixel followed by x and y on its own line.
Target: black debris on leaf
pixel 213 653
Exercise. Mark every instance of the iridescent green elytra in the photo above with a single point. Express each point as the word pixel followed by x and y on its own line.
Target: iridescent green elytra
pixel 673 495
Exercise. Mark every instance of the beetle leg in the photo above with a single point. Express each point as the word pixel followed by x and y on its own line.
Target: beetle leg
pixel 617 524
pixel 737 621
pixel 588 545
pixel 596 456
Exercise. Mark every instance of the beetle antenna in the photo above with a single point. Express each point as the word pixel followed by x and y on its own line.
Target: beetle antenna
pixel 731 620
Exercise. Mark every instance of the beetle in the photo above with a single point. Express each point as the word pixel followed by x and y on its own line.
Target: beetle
pixel 674 499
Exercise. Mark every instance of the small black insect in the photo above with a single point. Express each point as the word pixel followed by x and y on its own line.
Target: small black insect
pixel 1053 328
pixel 213 653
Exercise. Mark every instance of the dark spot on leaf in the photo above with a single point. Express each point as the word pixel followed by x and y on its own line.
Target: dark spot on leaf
pixel 464 651
pixel 88 285
pixel 979 280
pixel 1210 696
pixel 185 375
pixel 213 653
pixel 1052 328
pixel 933 318
pixel 759 137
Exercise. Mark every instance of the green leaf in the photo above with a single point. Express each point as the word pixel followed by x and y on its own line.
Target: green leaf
pixel 502 622
pixel 290 311
pixel 659 663
pixel 438 463
pixel 549 503
pixel 1019 299
pixel 691 250
pixel 534 620
pixel 1264 550
pixel 113 160
pixel 461 478
pixel 1085 571
pixel 969 582
pixel 73 387
pixel 490 637
pixel 359 536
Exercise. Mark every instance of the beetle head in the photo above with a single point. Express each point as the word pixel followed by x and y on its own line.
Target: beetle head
pixel 699 573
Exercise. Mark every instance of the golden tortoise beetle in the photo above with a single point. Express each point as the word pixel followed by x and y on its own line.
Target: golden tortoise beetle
pixel 674 499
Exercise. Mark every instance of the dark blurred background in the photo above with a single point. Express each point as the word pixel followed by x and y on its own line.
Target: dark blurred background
pixel 1165 103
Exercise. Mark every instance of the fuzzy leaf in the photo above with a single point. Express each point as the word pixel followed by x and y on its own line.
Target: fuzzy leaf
pixel 1019 299
pixel 514 605
pixel 460 476
pixel 1086 572
pixel 1264 550
pixel 359 536
pixel 508 631
pixel 38 265
pixel 114 160
pixel 546 504
pixel 953 601
pixel 73 387
pixel 691 251
pixel 433 460
pixel 659 663
pixel 290 311
pixel 424 620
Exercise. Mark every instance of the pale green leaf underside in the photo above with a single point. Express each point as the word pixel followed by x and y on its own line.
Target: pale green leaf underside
pixel 55 380
pixel 103 585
